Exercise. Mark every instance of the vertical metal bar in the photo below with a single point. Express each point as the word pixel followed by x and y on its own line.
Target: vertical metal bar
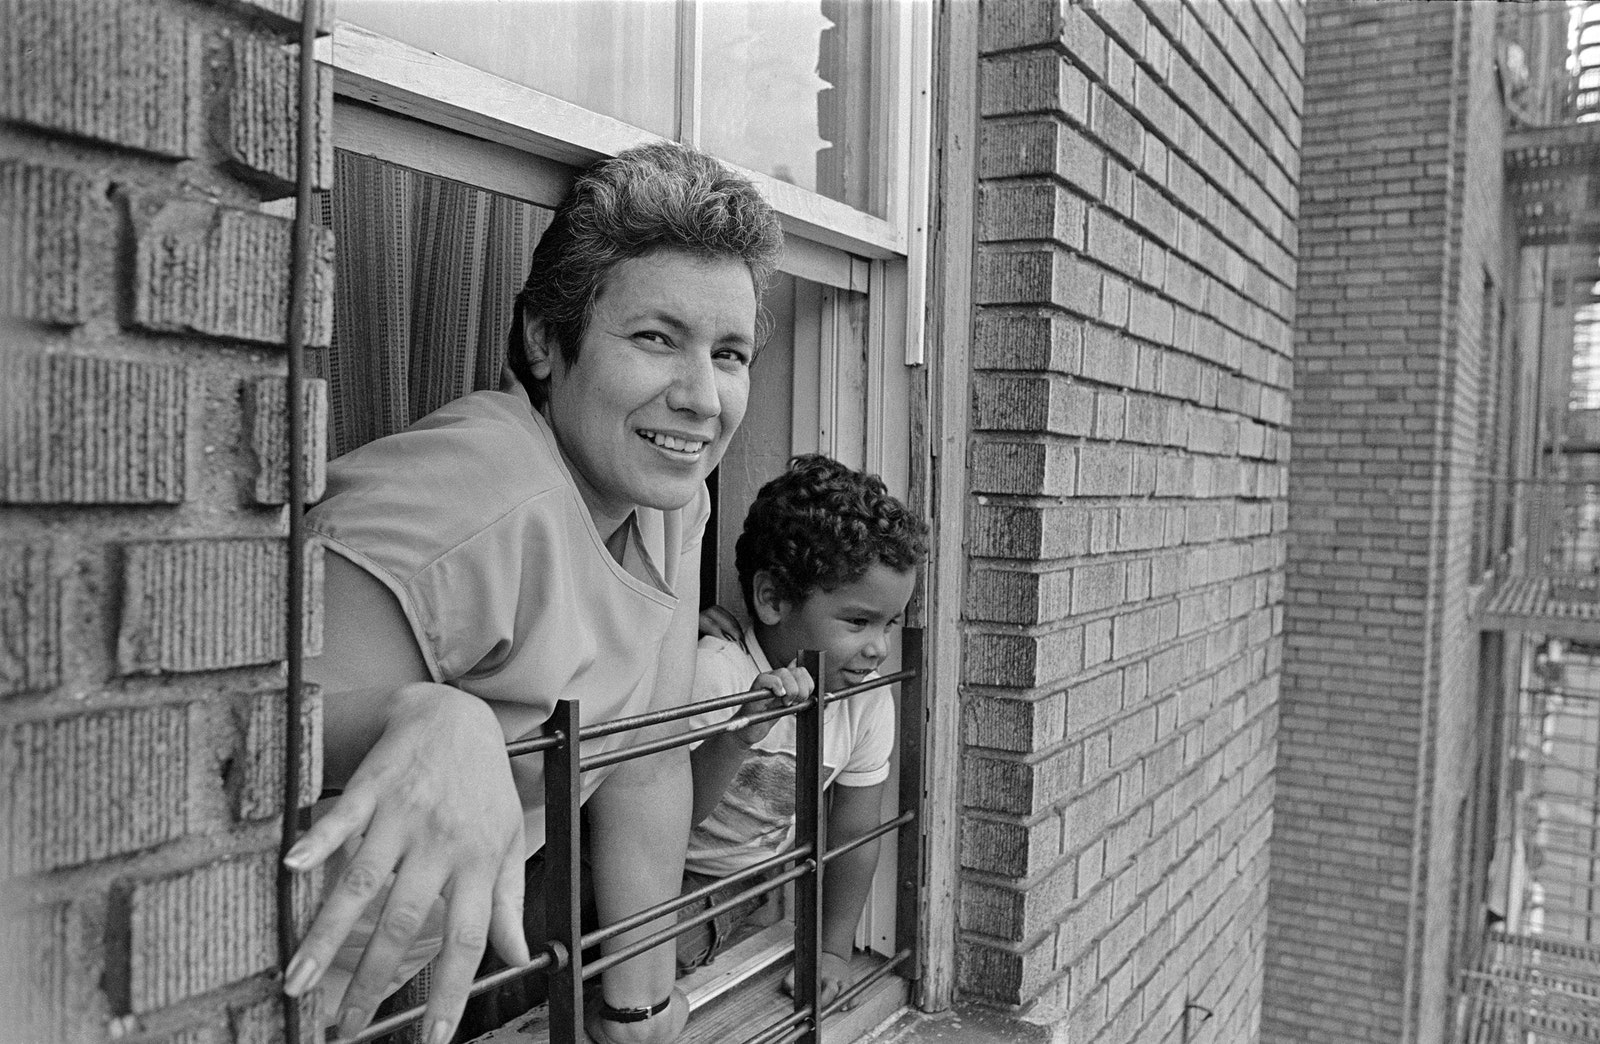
pixel 562 867
pixel 909 862
pixel 307 149
pixel 808 806
pixel 691 33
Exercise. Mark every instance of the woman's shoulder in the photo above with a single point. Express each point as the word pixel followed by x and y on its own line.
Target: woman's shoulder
pixel 468 466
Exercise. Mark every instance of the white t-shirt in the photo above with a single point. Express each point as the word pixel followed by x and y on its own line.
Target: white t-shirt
pixel 755 818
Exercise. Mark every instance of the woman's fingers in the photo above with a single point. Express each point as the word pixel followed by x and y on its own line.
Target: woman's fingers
pixel 362 879
pixel 466 929
pixel 506 929
pixel 405 911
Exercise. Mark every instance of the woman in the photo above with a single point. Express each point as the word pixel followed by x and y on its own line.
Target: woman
pixel 518 547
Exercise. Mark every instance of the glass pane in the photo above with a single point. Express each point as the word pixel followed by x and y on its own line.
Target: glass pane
pixel 795 89
pixel 617 58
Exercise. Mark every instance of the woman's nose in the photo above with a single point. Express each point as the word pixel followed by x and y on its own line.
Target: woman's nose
pixel 695 386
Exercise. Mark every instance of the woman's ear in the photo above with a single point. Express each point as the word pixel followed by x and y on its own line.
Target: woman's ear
pixel 541 349
pixel 769 607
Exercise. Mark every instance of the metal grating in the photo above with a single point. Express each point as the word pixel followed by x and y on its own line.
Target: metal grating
pixel 1559 605
pixel 1532 990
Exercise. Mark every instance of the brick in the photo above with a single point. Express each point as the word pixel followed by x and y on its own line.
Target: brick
pixel 1036 403
pixel 48 980
pixel 192 932
pixel 1001 975
pixel 197 605
pixel 54 231
pixel 263 113
pixel 1030 210
pixel 1024 660
pixel 1021 726
pixel 223 272
pixel 83 430
pixel 1021 23
pixel 91 786
pixel 1041 145
pixel 1038 342
pixel 1023 467
pixel 1013 849
pixel 1018 787
pixel 265 748
pixel 1032 81
pixel 30 619
pixel 267 412
pixel 123 74
pixel 1007 531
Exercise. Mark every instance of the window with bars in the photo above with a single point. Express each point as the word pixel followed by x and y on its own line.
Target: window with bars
pixel 454 137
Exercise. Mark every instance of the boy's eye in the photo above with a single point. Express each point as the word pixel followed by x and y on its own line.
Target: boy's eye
pixel 653 336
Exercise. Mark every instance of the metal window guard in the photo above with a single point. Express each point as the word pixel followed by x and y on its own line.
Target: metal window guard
pixel 562 955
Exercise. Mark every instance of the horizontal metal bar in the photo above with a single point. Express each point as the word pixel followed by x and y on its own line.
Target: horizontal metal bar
pixel 687 710
pixel 536 744
pixel 688 898
pixel 778 1029
pixel 546 958
pixel 870 836
pixel 650 942
pixel 867 686
pixel 683 739
pixel 866 982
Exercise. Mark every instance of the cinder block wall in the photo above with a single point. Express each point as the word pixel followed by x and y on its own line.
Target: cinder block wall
pixel 1139 164
pixel 143 310
pixel 1402 264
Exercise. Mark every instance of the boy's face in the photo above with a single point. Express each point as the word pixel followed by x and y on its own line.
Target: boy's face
pixel 850 624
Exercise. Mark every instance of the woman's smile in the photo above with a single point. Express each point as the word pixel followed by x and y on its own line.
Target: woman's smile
pixel 660 382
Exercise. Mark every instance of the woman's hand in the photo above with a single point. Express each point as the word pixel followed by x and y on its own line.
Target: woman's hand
pixel 433 804
pixel 662 1029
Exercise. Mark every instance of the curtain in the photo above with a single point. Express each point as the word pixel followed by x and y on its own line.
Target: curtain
pixel 425 273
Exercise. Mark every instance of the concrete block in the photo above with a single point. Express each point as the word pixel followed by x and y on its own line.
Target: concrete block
pixel 260 793
pixel 198 605
pixel 82 430
pixel 92 786
pixel 266 410
pixel 262 114
pixel 124 74
pixel 30 619
pixel 223 272
pixel 175 937
pixel 55 232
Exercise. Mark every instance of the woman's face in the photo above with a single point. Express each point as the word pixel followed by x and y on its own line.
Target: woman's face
pixel 661 380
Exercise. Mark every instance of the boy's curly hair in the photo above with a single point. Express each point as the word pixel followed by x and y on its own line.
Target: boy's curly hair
pixel 821 525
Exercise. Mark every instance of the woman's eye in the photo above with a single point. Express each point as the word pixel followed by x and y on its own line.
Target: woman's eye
pixel 653 336
pixel 734 355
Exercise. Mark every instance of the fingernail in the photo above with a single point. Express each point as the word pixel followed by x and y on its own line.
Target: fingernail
pixel 301 971
pixel 296 857
pixel 350 1022
pixel 440 1033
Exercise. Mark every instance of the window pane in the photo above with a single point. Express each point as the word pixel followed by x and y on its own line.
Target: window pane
pixel 615 58
pixel 794 89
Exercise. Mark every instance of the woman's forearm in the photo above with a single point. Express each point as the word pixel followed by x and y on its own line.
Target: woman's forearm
pixel 639 826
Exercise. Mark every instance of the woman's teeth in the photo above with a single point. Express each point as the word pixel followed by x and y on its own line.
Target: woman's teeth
pixel 672 442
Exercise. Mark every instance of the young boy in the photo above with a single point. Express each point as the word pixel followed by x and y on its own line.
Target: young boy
pixel 827 561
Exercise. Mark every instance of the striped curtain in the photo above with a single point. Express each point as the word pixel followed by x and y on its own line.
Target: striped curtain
pixel 426 269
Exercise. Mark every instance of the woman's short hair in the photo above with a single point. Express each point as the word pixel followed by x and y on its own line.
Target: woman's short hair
pixel 647 198
pixel 821 525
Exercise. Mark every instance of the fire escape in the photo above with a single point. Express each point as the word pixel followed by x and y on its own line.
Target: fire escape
pixel 1536 976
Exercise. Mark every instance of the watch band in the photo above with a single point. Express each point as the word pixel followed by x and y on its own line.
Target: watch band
pixel 611 1014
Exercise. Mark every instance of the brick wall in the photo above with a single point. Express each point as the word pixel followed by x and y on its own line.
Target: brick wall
pixel 1134 282
pixel 143 306
pixel 1401 244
